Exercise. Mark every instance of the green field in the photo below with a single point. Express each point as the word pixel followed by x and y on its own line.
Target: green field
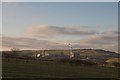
pixel 52 69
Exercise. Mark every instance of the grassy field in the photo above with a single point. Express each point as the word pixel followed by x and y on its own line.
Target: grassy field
pixel 40 69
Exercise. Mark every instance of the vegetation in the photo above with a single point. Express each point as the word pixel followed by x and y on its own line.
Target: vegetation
pixel 23 64
pixel 54 69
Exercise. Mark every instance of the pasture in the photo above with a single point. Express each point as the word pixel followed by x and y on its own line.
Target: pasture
pixel 53 69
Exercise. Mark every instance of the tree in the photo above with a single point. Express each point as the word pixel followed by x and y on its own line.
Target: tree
pixel 15 52
pixel 15 49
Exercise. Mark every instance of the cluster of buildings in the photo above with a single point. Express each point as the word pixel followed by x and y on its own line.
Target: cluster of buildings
pixel 45 54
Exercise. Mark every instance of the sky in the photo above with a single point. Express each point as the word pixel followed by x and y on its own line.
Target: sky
pixel 48 25
pixel 60 0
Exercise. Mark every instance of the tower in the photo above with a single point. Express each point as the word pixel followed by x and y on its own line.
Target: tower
pixel 71 51
pixel 43 53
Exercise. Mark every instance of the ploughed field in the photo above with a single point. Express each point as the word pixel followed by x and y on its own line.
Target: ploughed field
pixel 54 69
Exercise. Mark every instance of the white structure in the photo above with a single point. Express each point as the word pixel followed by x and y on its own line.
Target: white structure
pixel 71 54
pixel 41 53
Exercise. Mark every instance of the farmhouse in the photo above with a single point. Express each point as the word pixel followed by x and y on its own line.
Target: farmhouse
pixel 74 55
pixel 40 53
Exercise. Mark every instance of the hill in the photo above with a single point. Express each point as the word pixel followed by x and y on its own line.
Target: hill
pixel 91 53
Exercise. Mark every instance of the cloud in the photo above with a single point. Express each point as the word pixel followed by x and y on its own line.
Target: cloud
pixel 9 42
pixel 25 43
pixel 107 40
pixel 50 31
pixel 109 37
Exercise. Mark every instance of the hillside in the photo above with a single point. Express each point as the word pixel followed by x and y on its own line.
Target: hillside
pixel 94 53
pixel 113 60
pixel 97 53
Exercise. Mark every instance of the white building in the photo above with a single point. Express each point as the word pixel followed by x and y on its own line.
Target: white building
pixel 75 55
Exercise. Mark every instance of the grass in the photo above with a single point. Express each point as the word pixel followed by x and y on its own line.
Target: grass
pixel 40 69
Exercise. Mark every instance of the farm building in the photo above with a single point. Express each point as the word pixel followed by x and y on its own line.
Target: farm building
pixel 75 55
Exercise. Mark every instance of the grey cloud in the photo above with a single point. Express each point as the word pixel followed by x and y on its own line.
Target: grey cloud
pixel 106 38
pixel 46 30
pixel 106 41
pixel 26 43
pixel 9 42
